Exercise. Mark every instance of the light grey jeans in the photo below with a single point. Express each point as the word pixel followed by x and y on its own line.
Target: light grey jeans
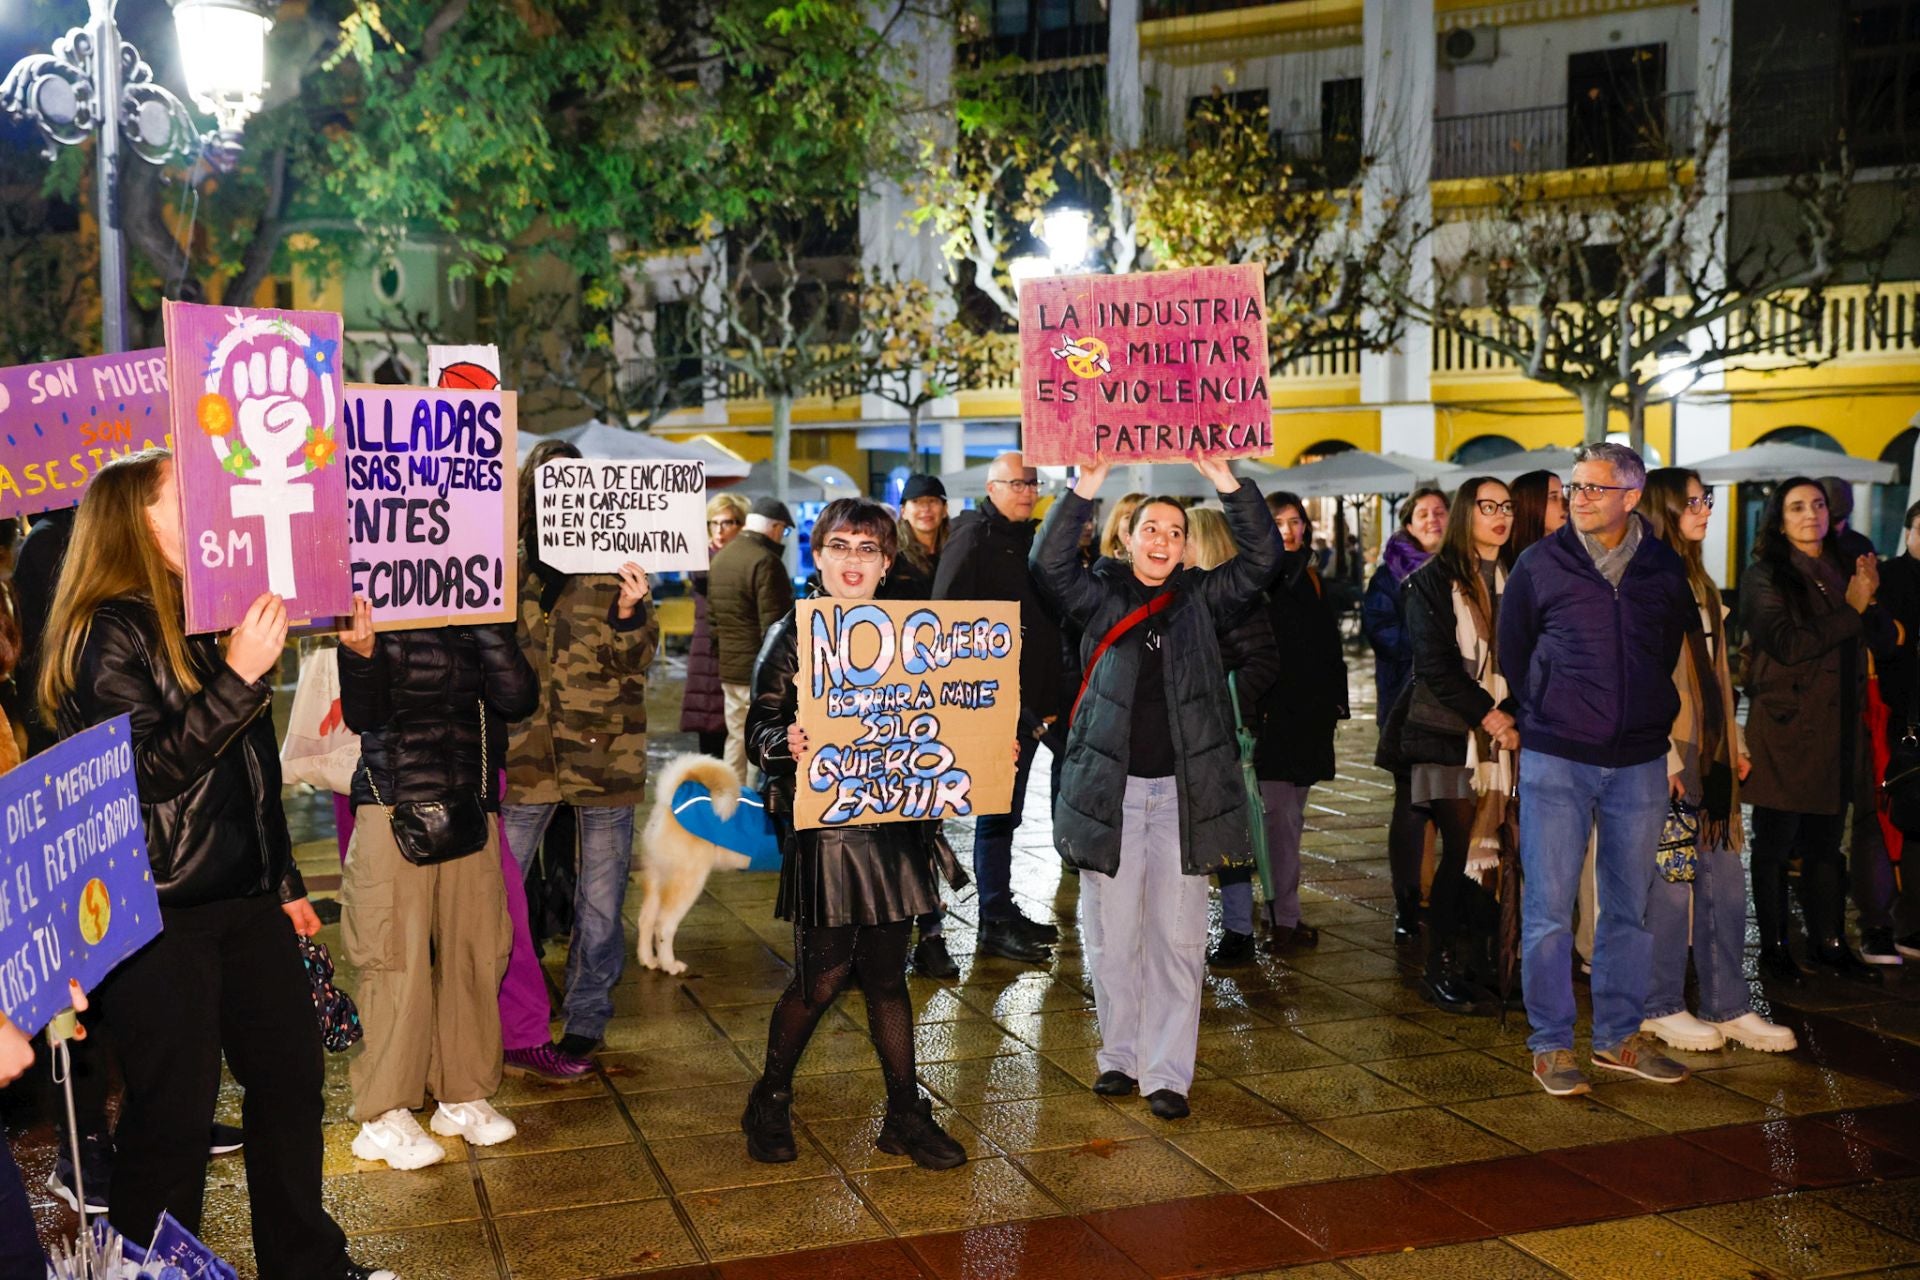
pixel 1145 933
pixel 1286 806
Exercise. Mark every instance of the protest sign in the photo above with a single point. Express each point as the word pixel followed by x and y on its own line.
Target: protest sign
pixel 256 403
pixel 61 421
pixel 431 503
pixel 464 368
pixel 911 709
pixel 1151 366
pixel 76 894
pixel 594 516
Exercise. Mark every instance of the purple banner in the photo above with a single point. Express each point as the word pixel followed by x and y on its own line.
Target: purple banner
pixel 430 503
pixel 256 410
pixel 59 422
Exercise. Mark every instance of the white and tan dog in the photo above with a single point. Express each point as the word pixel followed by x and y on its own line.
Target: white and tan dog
pixel 675 863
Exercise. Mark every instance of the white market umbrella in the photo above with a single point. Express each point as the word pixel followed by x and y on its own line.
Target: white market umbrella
pixel 596 439
pixel 1506 467
pixel 821 484
pixel 1778 460
pixel 1358 471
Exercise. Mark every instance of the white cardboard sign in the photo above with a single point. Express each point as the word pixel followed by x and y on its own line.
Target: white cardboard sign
pixel 595 515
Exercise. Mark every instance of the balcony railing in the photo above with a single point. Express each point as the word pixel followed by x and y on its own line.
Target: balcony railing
pixel 1154 10
pixel 1495 144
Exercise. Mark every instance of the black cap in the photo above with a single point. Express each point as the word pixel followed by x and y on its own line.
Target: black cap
pixel 923 487
pixel 772 509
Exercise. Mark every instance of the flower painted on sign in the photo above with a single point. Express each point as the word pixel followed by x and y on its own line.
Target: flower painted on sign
pixel 214 413
pixel 320 448
pixel 239 461
pixel 322 355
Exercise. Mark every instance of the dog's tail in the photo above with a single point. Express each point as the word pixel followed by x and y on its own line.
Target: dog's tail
pixel 716 775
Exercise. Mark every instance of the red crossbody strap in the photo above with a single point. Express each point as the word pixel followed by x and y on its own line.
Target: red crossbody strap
pixel 1118 629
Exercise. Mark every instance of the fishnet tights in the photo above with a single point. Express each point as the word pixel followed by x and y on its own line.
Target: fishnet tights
pixel 828 959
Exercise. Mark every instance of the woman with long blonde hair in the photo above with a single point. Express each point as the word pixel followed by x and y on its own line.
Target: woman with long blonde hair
pixel 1119 523
pixel 225 975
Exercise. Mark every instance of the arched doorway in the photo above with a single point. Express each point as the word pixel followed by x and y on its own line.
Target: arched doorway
pixel 1480 448
pixel 1323 449
pixel 1886 504
pixel 1754 494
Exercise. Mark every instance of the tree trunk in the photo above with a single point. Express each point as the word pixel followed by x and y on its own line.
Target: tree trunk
pixel 782 443
pixel 1595 403
pixel 1637 423
pixel 913 436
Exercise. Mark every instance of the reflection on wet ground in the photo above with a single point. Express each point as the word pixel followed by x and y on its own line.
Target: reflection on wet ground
pixel 1341 1127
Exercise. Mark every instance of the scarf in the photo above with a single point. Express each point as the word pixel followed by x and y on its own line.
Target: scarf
pixel 1403 555
pixel 1612 563
pixel 1491 768
pixel 1716 744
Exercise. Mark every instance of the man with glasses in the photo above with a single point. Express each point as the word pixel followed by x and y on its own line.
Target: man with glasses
pixel 748 590
pixel 1590 629
pixel 986 559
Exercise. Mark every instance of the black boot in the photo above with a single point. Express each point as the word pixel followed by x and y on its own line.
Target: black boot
pixel 931 959
pixel 1447 989
pixel 911 1132
pixel 1771 915
pixel 768 1124
pixel 1406 920
pixel 1835 954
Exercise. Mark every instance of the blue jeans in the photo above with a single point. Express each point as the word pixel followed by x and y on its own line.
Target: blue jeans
pixel 993 846
pixel 1718 895
pixel 599 949
pixel 1561 801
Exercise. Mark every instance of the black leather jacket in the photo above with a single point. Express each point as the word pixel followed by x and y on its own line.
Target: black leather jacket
pixel 416 704
pixel 207 764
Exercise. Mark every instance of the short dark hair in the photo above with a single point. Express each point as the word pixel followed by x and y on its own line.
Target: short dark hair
pixel 1913 512
pixel 1161 500
pixel 1280 499
pixel 858 515
pixel 1415 498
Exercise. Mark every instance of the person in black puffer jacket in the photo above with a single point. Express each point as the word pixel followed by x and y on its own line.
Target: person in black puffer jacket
pixel 225 975
pixel 1151 799
pixel 432 940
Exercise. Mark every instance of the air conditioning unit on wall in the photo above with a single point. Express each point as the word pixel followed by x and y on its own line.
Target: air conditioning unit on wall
pixel 1465 46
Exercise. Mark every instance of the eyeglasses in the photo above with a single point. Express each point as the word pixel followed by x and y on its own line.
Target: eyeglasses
pixel 1024 486
pixel 864 553
pixel 1488 507
pixel 1702 503
pixel 723 524
pixel 1576 489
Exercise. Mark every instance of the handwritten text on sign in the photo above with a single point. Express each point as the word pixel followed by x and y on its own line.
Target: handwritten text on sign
pixel 595 516
pixel 76 894
pixel 1161 364
pixel 63 421
pixel 911 710
pixel 430 496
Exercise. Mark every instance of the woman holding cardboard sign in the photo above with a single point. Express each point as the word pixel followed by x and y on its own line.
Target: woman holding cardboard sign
pixel 1151 799
pixel 851 891
pixel 225 976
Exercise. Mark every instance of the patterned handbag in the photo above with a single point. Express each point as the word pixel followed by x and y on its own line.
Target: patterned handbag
pixel 1678 854
pixel 339 1017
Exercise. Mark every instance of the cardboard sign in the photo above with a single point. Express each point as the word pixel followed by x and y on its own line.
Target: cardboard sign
pixel 256 405
pixel 60 422
pixel 431 479
pixel 1158 365
pixel 594 516
pixel 76 893
pixel 464 368
pixel 911 709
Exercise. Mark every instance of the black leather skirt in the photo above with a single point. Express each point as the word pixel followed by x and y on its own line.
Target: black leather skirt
pixel 864 875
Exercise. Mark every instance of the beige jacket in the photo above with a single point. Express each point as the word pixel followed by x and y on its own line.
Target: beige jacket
pixel 1684 746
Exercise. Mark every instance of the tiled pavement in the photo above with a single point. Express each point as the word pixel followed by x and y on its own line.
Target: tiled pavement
pixel 1341 1127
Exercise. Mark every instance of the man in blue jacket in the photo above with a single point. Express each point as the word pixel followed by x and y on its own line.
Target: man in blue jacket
pixel 1590 629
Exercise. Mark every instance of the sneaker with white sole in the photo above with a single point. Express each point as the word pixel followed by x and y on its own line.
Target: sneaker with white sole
pixel 1559 1074
pixel 1908 946
pixel 476 1121
pixel 1639 1055
pixel 355 1271
pixel 1878 947
pixel 396 1138
pixel 1684 1031
pixel 1755 1032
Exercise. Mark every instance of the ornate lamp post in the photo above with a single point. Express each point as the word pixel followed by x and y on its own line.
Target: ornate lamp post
pixel 95 82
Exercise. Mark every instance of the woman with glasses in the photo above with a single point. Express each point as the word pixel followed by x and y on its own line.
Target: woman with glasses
pixel 703 703
pixel 1453 732
pixel 852 892
pixel 1705 765
pixel 1809 616
pixel 1152 801
pixel 1539 507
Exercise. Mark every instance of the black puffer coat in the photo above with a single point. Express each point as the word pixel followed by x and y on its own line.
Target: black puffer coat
pixel 1439 668
pixel 703 706
pixel 207 764
pixel 1308 698
pixel 1213 803
pixel 986 559
pixel 417 702
pixel 835 876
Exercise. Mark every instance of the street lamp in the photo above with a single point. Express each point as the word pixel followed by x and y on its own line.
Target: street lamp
pixel 1028 266
pixel 94 82
pixel 1068 233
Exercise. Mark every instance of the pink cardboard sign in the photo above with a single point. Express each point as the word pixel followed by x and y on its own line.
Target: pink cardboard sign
pixel 1156 365
pixel 61 421
pixel 256 410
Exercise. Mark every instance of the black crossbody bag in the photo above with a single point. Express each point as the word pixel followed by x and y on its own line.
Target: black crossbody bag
pixel 430 831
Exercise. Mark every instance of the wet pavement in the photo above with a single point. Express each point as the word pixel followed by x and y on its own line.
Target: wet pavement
pixel 1341 1127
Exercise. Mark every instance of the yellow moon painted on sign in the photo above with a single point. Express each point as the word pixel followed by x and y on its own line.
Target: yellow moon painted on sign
pixel 96 910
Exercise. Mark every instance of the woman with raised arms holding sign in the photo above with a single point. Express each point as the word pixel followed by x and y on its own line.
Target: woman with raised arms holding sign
pixel 1151 799
pixel 851 891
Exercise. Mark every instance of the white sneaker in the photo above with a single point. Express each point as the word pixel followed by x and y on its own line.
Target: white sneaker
pixel 1684 1031
pixel 477 1122
pixel 397 1139
pixel 1755 1032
